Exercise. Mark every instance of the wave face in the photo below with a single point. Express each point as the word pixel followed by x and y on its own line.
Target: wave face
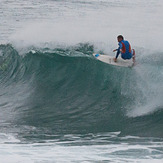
pixel 58 103
pixel 65 90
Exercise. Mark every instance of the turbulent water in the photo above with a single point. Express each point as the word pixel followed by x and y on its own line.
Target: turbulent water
pixel 59 104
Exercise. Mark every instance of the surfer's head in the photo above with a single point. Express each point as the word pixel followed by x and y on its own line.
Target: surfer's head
pixel 120 38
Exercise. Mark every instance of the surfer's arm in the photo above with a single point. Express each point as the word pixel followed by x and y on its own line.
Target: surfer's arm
pixel 115 50
pixel 118 52
pixel 115 59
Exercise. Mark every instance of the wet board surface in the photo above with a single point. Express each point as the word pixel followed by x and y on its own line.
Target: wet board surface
pixel 110 60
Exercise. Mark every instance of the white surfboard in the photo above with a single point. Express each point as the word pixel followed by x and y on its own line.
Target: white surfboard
pixel 110 60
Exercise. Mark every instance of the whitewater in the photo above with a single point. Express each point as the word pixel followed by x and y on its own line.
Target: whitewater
pixel 59 104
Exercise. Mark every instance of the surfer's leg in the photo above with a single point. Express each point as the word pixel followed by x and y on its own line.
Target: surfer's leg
pixel 133 55
pixel 123 56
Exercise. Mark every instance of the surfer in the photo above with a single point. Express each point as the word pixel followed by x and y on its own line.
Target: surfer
pixel 125 49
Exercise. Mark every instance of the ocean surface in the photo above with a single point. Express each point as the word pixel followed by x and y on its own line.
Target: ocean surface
pixel 58 104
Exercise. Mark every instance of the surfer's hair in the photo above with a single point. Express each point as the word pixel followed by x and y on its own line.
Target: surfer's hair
pixel 120 36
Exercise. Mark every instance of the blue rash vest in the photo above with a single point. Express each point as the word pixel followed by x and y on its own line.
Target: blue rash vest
pixel 125 48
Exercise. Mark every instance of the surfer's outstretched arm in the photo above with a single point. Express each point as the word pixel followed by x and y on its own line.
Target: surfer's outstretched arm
pixel 118 52
pixel 115 50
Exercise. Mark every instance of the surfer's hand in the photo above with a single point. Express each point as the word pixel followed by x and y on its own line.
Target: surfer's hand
pixel 115 59
pixel 114 50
